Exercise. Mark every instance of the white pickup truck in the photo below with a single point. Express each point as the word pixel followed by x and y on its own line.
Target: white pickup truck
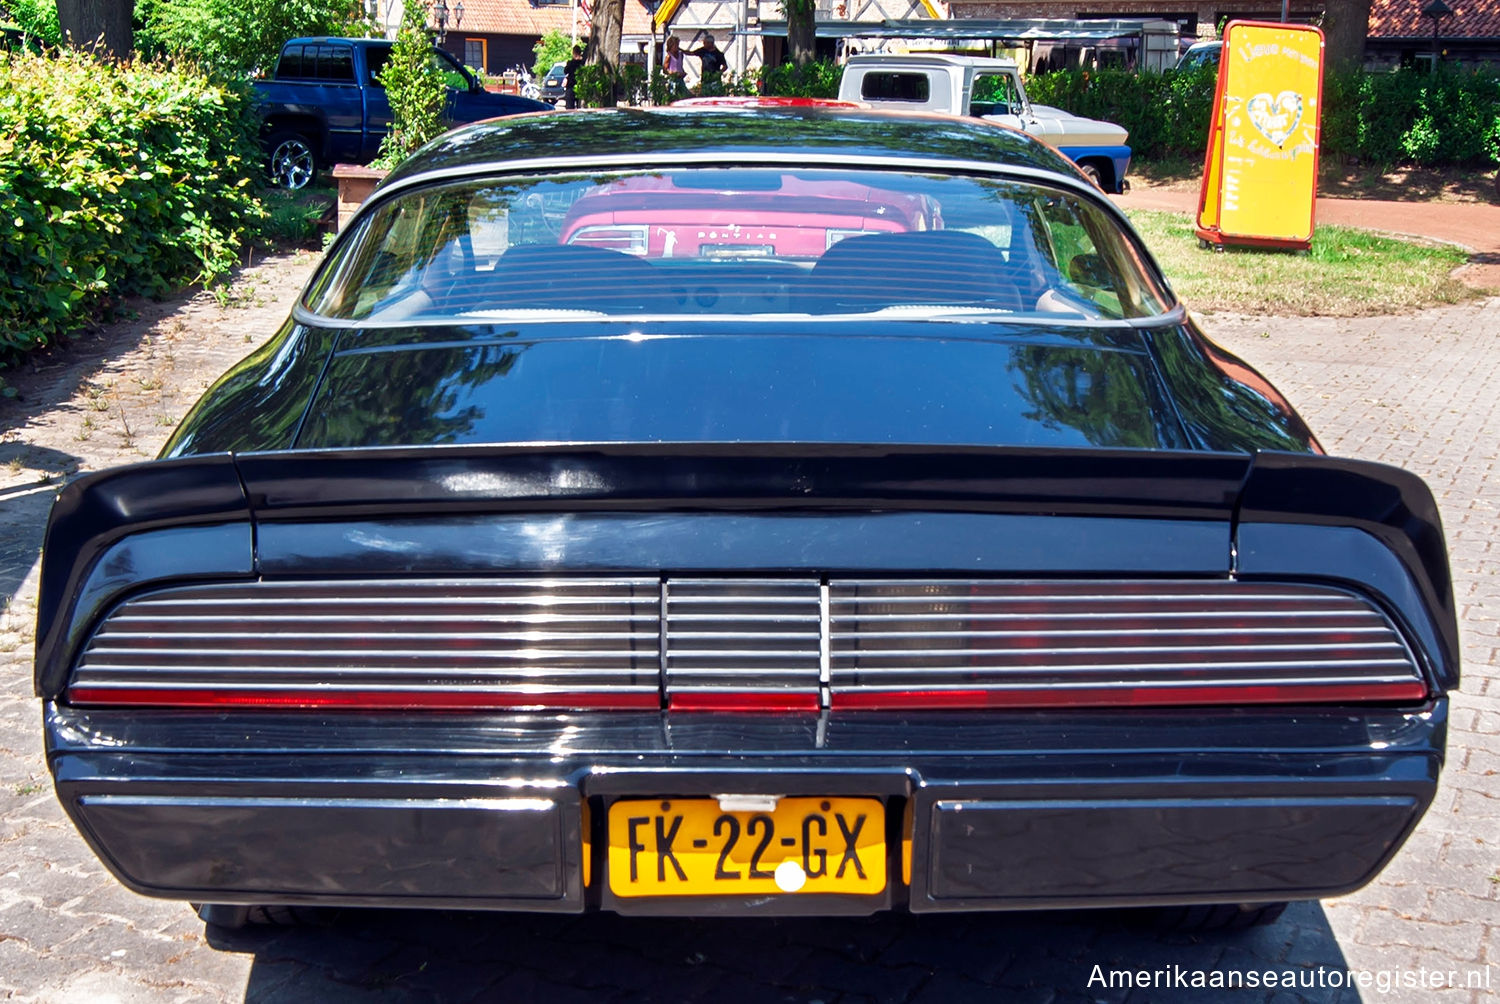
pixel 990 89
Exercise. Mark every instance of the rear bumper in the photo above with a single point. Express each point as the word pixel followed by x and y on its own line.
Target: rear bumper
pixel 1017 811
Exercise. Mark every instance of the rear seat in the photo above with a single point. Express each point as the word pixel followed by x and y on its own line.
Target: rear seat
pixel 557 277
pixel 925 267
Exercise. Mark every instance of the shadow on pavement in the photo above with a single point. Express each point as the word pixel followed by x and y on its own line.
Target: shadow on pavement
pixel 23 511
pixel 391 955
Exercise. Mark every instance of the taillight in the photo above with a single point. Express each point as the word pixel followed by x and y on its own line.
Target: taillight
pixel 395 700
pixel 768 644
pixel 1133 697
pixel 629 238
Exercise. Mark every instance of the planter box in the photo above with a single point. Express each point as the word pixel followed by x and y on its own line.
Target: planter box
pixel 355 185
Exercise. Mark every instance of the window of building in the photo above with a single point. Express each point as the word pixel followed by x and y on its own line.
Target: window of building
pixel 476 54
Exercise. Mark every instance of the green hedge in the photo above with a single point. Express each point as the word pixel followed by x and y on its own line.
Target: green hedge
pixel 114 181
pixel 1451 117
pixel 1166 113
pixel 818 79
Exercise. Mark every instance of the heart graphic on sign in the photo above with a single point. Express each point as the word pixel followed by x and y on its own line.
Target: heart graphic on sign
pixel 1276 117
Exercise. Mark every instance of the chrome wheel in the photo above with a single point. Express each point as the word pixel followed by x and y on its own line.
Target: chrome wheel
pixel 292 162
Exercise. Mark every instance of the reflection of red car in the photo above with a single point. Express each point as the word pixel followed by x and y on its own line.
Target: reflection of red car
pixel 738 214
pixel 764 101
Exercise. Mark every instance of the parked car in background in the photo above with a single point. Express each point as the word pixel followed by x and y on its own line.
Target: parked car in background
pixel 990 89
pixel 1200 54
pixel 943 566
pixel 554 84
pixel 325 105
pixel 750 215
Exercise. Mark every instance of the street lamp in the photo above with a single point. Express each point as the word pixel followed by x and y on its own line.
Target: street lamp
pixel 1437 10
pixel 441 12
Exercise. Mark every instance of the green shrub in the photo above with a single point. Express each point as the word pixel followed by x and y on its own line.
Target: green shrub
pixel 594 86
pixel 114 181
pixel 815 80
pixel 633 85
pixel 1167 114
pixel 416 88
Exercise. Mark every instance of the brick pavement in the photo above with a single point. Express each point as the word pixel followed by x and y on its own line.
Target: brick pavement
pixel 1411 390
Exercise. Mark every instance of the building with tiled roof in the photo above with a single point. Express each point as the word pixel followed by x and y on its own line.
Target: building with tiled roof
pixel 497 35
pixel 1401 35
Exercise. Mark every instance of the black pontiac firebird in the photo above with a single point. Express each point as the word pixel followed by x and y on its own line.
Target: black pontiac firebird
pixel 744 511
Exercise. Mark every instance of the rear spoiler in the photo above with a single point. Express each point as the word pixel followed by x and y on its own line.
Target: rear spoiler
pixel 201 512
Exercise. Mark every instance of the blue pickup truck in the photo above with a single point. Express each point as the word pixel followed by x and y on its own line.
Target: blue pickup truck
pixel 325 106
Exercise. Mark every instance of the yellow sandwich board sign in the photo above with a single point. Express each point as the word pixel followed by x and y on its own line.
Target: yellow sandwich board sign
pixel 1261 174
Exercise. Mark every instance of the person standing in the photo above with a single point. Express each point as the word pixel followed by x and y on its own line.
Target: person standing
pixel 570 77
pixel 676 73
pixel 713 65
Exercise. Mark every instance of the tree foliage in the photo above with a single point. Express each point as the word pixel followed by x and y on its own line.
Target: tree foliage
pixel 416 87
pixel 554 47
pixel 37 18
pixel 241 36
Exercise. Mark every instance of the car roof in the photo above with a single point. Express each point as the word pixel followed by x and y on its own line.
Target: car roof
pixel 339 39
pixel 630 137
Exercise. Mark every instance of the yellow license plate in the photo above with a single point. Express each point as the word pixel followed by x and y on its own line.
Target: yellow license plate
pixel 690 847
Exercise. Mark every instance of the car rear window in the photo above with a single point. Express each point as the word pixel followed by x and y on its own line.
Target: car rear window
pixel 744 242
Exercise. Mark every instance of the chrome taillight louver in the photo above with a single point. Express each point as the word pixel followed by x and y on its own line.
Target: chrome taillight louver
pixel 699 643
pixel 742 643
pixel 416 642
pixel 925 643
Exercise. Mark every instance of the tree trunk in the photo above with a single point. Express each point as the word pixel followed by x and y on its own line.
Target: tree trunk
pixel 1345 24
pixel 604 41
pixel 801 29
pixel 107 22
pixel 609 16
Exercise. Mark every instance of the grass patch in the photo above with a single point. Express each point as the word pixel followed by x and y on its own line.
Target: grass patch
pixel 1348 272
pixel 296 218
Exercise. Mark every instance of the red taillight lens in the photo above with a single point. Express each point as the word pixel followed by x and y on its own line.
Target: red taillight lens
pixel 746 701
pixel 1122 696
pixel 400 700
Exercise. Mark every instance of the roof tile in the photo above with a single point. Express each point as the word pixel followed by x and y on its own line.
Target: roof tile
pixel 1404 19
pixel 520 17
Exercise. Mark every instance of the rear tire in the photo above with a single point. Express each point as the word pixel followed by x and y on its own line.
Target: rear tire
pixel 230 917
pixel 292 163
pixel 1091 171
pixel 1215 918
